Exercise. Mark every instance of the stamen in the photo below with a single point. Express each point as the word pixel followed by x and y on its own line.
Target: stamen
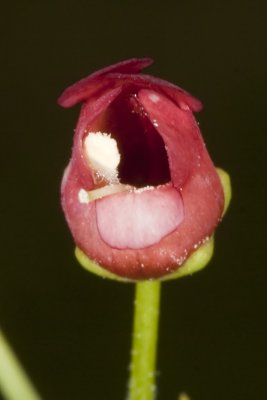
pixel 103 155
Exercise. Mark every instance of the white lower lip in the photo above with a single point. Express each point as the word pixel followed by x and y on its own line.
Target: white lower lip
pixel 139 218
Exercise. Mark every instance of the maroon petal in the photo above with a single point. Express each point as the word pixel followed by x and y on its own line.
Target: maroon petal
pixel 126 74
pixel 180 132
pixel 83 89
pixel 191 168
pixel 182 98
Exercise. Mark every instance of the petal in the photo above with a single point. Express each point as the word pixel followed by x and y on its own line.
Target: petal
pixel 202 208
pixel 84 88
pixel 180 132
pixel 140 218
pixel 182 98
pixel 122 74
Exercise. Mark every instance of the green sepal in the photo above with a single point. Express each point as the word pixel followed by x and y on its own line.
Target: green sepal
pixel 197 261
pixel 95 268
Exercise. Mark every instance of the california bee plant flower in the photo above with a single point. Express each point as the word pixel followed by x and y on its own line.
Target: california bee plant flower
pixel 140 192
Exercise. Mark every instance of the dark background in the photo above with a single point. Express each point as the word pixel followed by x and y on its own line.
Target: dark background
pixel 71 329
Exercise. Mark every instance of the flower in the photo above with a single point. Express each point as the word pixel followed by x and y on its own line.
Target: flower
pixel 140 193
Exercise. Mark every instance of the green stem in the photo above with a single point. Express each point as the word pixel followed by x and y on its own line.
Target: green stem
pixel 144 345
pixel 14 383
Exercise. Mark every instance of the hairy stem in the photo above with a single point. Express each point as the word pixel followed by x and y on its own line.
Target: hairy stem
pixel 144 345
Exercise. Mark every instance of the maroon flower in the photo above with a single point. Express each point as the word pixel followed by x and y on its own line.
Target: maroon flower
pixel 140 193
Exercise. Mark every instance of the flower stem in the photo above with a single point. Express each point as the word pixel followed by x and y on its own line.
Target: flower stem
pixel 14 383
pixel 144 344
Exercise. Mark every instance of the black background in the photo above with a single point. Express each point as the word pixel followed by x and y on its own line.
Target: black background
pixel 71 329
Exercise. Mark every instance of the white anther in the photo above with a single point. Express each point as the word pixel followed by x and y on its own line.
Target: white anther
pixel 103 155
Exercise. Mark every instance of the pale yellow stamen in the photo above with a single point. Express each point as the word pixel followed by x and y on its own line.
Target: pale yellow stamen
pixel 85 197
pixel 108 190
